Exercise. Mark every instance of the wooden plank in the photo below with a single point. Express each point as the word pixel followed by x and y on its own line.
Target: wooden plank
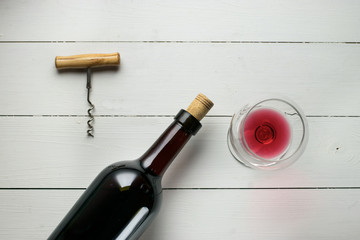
pixel 158 79
pixel 231 20
pixel 54 152
pixel 205 214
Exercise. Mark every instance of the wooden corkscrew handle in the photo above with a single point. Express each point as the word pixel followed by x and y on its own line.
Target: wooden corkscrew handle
pixel 87 60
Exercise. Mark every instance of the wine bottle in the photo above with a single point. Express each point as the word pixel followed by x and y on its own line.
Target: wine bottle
pixel 125 197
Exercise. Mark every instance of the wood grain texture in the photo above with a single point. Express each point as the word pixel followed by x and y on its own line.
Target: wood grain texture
pixel 321 78
pixel 54 152
pixel 87 60
pixel 206 214
pixel 154 20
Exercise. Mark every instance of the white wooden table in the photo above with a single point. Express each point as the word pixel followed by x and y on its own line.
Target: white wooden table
pixel 171 50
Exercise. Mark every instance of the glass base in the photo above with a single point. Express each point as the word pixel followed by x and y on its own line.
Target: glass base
pixel 268 165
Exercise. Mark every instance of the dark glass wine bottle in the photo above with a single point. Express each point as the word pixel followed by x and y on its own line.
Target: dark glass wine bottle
pixel 125 197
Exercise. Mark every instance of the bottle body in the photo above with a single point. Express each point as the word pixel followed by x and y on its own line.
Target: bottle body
pixel 119 204
pixel 125 197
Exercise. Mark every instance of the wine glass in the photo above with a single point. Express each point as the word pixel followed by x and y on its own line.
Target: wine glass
pixel 269 134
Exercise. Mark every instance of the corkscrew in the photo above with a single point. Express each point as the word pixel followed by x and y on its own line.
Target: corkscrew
pixel 88 61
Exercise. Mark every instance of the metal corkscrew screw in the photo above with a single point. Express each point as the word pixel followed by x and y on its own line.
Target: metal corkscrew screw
pixel 88 61
pixel 90 131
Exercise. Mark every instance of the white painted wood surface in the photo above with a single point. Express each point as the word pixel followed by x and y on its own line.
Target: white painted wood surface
pixel 231 74
pixel 207 214
pixel 186 20
pixel 170 50
pixel 54 152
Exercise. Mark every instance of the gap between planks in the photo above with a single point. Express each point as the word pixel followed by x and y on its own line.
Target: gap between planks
pixel 155 116
pixel 185 42
pixel 170 189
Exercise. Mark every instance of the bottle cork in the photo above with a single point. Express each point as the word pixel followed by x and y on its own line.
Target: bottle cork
pixel 200 106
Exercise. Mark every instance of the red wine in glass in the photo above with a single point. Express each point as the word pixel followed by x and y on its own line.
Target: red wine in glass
pixel 267 133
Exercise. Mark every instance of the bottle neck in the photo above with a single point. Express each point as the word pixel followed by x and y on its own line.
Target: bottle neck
pixel 161 154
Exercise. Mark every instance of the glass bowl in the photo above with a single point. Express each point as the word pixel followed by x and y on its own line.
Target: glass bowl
pixel 268 134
